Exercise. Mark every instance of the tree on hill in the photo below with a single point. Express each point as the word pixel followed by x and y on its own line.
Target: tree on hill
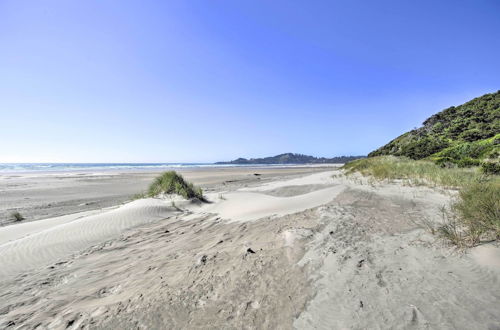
pixel 471 126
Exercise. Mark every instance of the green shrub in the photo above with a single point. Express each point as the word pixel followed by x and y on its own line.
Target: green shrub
pixel 491 168
pixel 472 135
pixel 16 216
pixel 468 162
pixel 172 183
pixel 466 154
pixel 444 161
pixel 423 147
pixel 464 150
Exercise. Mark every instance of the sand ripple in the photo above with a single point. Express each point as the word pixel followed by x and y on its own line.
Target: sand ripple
pixel 52 242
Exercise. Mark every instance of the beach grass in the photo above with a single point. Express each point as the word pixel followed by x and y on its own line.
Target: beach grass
pixel 477 211
pixel 419 172
pixel 474 216
pixel 16 216
pixel 173 183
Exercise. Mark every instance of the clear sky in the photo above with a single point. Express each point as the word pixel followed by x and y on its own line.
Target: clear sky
pixel 201 81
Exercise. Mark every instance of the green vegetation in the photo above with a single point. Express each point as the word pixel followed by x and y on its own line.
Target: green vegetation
pixel 467 135
pixel 468 154
pixel 490 168
pixel 475 216
pixel 139 196
pixel 477 211
pixel 458 147
pixel 172 183
pixel 16 216
pixel 420 172
pixel 290 158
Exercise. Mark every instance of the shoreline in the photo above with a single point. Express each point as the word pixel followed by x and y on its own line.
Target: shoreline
pixel 109 170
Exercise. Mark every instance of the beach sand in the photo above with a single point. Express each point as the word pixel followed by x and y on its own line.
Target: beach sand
pixel 45 195
pixel 304 248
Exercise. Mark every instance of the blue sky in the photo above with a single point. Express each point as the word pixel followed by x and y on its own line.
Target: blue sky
pixel 201 81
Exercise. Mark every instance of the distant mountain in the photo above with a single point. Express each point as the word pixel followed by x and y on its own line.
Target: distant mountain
pixel 290 158
pixel 465 135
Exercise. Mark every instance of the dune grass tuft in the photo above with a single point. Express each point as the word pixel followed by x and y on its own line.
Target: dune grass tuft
pixel 139 196
pixel 453 232
pixel 477 211
pixel 173 183
pixel 474 216
pixel 16 216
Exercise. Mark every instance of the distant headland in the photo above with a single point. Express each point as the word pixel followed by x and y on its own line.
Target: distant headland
pixel 291 158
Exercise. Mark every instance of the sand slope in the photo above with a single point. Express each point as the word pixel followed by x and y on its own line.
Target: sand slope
pixel 45 241
pixel 245 206
pixel 314 252
pixel 372 273
pixel 30 245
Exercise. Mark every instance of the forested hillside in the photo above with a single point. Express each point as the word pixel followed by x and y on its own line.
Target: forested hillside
pixel 290 158
pixel 465 135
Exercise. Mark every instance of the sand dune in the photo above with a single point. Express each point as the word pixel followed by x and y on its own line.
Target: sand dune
pixel 314 252
pixel 245 206
pixel 44 242
pixel 322 178
pixel 12 233
pixel 31 245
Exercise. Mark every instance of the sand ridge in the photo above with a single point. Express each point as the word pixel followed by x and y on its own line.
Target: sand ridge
pixel 245 206
pixel 57 238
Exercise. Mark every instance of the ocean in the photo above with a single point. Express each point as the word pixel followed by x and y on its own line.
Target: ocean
pixel 75 167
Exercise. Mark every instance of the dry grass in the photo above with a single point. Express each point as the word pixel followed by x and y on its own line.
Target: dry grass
pixel 453 231
pixel 415 172
pixel 475 215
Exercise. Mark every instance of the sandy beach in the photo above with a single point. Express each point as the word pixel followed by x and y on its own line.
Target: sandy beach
pixel 275 165
pixel 274 248
pixel 45 195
